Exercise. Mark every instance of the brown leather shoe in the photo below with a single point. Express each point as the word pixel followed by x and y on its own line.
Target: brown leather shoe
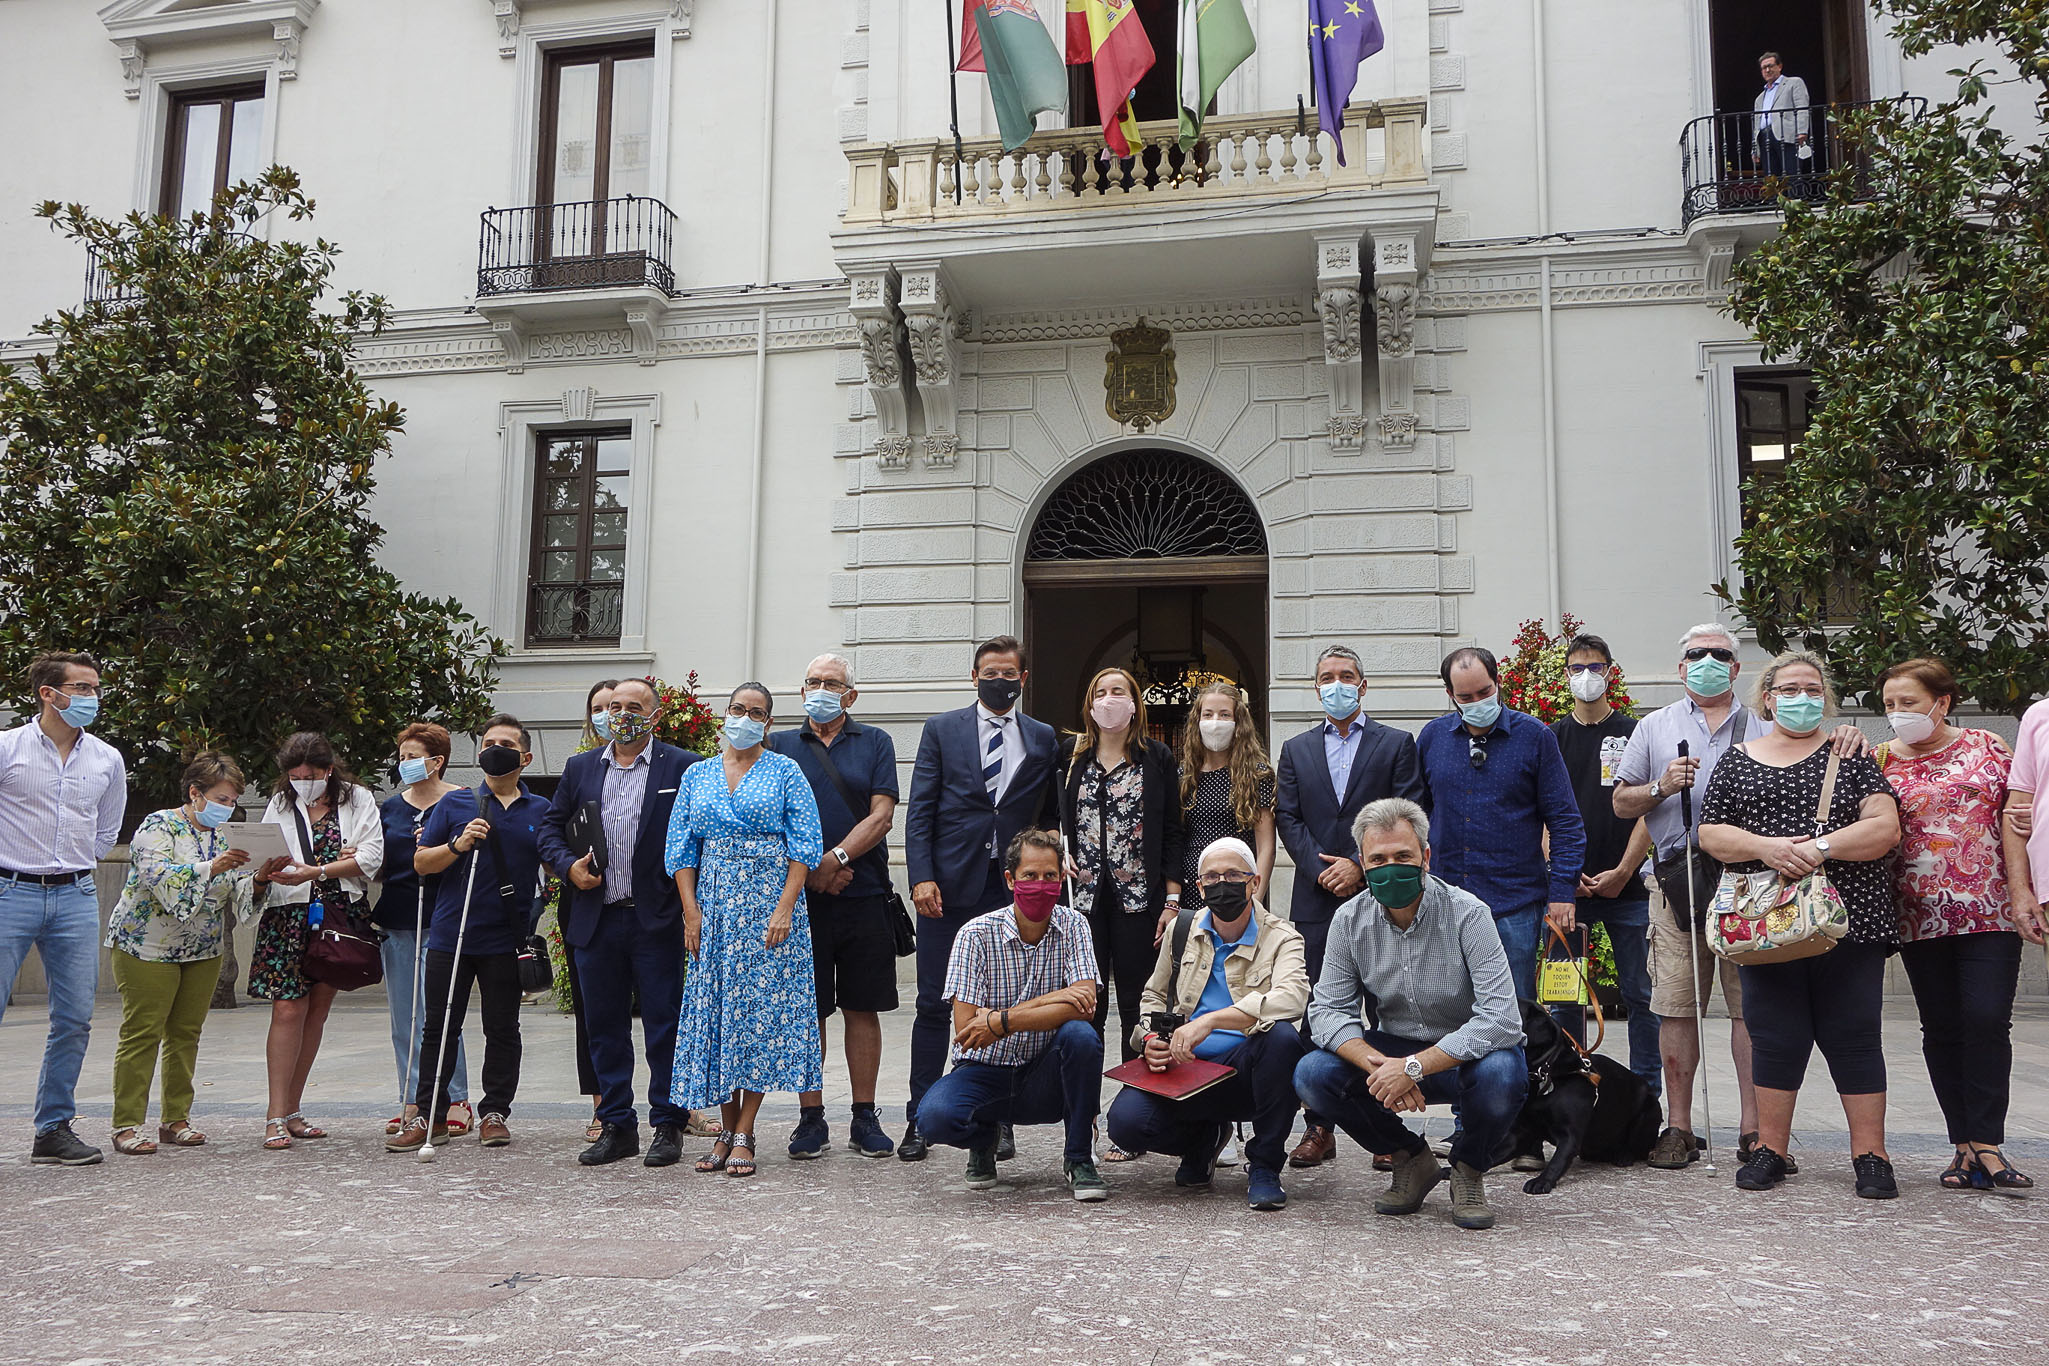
pixel 413 1136
pixel 1318 1146
pixel 492 1133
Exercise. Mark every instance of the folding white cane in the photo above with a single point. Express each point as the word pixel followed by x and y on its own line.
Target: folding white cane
pixel 441 1049
pixel 1707 1113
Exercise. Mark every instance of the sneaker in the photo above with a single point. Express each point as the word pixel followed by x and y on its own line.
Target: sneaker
pixel 812 1135
pixel 1469 1197
pixel 982 1167
pixel 1084 1181
pixel 61 1147
pixel 1874 1178
pixel 491 1131
pixel 1199 1168
pixel 1263 1189
pixel 1764 1170
pixel 865 1136
pixel 1231 1156
pixel 1527 1162
pixel 1414 1174
pixel 1746 1143
pixel 1674 1149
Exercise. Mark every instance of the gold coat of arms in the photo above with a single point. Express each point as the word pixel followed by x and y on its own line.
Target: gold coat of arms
pixel 1139 375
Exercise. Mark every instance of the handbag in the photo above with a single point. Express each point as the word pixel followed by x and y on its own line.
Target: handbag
pixel 1764 918
pixel 903 931
pixel 536 968
pixel 343 950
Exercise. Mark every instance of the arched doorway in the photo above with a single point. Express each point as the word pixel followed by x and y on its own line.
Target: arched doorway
pixel 1153 560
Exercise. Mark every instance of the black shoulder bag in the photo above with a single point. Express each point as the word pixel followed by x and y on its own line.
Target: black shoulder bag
pixel 342 950
pixel 536 969
pixel 903 932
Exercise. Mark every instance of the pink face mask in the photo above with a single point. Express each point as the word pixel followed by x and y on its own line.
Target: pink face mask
pixel 1036 899
pixel 1113 711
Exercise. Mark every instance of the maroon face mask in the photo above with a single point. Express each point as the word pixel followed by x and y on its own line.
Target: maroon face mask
pixel 1036 899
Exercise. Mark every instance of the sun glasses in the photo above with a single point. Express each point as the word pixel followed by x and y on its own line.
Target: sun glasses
pixel 1699 652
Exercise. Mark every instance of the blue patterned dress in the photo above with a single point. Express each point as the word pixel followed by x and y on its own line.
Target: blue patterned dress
pixel 750 1013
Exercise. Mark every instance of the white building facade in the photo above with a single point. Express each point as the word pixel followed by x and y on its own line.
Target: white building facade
pixel 707 368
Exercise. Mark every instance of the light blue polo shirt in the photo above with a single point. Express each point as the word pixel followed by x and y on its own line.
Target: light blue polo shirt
pixel 1216 993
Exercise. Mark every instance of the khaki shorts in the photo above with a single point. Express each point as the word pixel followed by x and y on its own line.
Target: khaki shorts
pixel 1671 993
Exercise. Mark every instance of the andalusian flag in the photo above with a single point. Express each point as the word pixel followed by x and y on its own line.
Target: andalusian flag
pixel 1122 54
pixel 1214 39
pixel 1026 76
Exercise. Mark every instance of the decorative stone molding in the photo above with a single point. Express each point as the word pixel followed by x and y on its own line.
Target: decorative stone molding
pixel 893 452
pixel 579 404
pixel 1396 273
pixel 140 28
pixel 1398 430
pixel 934 335
pixel 1348 433
pixel 1341 306
pixel 942 451
pixel 873 302
pixel 1178 317
pixel 511 335
pixel 1394 319
pixel 676 14
pixel 1718 248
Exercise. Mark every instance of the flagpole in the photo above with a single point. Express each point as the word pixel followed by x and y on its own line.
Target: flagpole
pixel 953 94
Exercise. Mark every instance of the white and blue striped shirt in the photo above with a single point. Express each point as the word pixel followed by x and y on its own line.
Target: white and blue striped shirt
pixel 58 815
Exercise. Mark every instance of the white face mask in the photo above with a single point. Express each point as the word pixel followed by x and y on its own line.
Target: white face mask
pixel 309 790
pixel 1589 686
pixel 1216 735
pixel 1912 727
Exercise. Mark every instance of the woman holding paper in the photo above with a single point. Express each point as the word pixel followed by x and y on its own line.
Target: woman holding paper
pixel 336 835
pixel 184 893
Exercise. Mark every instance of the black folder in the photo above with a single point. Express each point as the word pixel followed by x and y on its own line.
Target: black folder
pixel 585 831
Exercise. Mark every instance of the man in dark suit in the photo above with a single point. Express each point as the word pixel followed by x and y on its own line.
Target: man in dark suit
pixel 984 773
pixel 1326 776
pixel 624 925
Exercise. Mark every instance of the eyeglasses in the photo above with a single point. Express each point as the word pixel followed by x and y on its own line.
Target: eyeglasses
pixel 1011 675
pixel 1477 752
pixel 1793 690
pixel 1700 652
pixel 751 713
pixel 78 689
pixel 1586 668
pixel 1217 879
pixel 824 685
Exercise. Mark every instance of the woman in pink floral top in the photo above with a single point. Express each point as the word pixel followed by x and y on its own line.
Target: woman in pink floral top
pixel 1957 936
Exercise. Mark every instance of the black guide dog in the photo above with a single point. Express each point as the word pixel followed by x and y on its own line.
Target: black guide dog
pixel 1612 1119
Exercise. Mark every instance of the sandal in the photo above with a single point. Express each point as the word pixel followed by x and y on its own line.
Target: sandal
pixel 282 1139
pixel 394 1124
pixel 461 1124
pixel 701 1125
pixel 740 1166
pixel 2008 1180
pixel 1963 1174
pixel 715 1161
pixel 306 1128
pixel 132 1142
pixel 594 1130
pixel 180 1135
pixel 1113 1153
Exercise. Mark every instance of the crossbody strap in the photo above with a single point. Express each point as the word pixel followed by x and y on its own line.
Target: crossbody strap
pixel 839 783
pixel 1183 923
pixel 1828 793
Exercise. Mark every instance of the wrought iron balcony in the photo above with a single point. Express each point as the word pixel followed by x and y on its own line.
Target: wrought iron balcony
pixel 574 613
pixel 590 244
pixel 100 287
pixel 1728 166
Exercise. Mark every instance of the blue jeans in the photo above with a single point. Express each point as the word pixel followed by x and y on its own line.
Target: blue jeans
pixel 401 954
pixel 1263 1093
pixel 1521 931
pixel 1488 1091
pixel 63 923
pixel 1629 934
pixel 1064 1084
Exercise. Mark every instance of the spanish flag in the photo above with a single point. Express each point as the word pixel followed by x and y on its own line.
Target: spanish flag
pixel 1109 34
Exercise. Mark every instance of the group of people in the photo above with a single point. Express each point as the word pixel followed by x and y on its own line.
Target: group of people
pixel 742 902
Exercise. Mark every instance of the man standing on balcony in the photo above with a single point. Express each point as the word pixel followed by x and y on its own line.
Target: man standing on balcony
pixel 1783 121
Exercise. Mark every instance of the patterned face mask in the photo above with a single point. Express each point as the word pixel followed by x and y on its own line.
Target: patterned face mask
pixel 631 726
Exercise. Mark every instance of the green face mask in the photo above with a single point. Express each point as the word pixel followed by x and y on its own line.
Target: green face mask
pixel 1395 885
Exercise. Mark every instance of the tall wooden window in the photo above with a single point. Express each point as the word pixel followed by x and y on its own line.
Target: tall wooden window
pixel 576 587
pixel 597 123
pixel 1772 408
pixel 211 143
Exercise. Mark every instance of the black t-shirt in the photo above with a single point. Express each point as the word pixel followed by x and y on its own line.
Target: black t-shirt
pixel 1593 754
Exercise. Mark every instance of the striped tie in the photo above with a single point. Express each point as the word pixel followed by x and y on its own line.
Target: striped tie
pixel 992 764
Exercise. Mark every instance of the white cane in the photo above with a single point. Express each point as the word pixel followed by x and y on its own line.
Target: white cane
pixel 1707 1112
pixel 441 1049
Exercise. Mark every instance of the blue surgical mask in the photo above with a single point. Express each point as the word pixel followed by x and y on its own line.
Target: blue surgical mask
pixel 412 771
pixel 1797 715
pixel 822 706
pixel 1339 699
pixel 1709 677
pixel 215 814
pixel 81 712
pixel 744 732
pixel 601 724
pixel 1483 713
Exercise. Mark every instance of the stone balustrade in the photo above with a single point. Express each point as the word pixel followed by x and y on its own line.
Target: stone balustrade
pixel 1068 170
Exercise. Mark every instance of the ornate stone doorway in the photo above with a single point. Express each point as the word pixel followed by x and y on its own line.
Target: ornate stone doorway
pixel 1153 560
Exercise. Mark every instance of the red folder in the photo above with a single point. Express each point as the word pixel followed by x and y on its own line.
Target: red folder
pixel 1180 1081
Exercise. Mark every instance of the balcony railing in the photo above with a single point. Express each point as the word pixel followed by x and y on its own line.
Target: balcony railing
pixel 100 287
pixel 1253 157
pixel 1729 166
pixel 589 244
pixel 574 613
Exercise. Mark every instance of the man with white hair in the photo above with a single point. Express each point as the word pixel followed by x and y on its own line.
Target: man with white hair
pixel 1231 995
pixel 1416 1006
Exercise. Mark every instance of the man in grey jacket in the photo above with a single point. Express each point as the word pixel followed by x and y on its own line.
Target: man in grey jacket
pixel 1422 959
pixel 1783 121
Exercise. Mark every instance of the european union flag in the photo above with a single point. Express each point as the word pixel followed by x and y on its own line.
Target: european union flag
pixel 1342 34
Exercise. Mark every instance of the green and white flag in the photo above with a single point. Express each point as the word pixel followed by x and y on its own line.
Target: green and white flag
pixel 1214 40
pixel 1005 39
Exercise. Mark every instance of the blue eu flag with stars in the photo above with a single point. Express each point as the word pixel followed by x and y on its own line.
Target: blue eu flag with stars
pixel 1342 34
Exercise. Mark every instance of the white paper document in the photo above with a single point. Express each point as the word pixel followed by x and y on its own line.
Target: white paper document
pixel 260 840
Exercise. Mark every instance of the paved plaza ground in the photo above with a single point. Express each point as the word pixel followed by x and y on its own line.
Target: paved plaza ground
pixel 337 1252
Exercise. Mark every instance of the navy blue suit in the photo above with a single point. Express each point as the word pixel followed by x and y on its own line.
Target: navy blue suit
pixel 623 948
pixel 948 830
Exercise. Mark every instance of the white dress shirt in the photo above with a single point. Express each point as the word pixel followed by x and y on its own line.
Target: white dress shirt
pixel 1013 744
pixel 58 814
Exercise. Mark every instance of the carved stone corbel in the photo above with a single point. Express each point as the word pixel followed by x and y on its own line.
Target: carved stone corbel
pixel 644 325
pixel 1718 258
pixel 286 34
pixel 1395 291
pixel 511 335
pixel 934 333
pixel 134 60
pixel 1341 307
pixel 872 299
pixel 507 12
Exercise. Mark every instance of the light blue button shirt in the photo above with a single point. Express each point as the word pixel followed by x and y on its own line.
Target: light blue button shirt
pixel 1216 993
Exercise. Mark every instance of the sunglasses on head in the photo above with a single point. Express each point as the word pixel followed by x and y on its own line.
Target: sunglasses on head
pixel 1714 651
pixel 1476 751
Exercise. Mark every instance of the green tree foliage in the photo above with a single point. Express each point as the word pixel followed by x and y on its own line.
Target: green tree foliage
pixel 1917 293
pixel 187 475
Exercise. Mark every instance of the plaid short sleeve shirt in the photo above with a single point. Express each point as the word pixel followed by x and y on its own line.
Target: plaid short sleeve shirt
pixel 992 966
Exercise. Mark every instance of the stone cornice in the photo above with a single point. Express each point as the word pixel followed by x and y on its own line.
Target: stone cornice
pixel 1188 315
pixel 1508 276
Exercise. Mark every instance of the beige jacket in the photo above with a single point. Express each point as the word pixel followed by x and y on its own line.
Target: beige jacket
pixel 1270 980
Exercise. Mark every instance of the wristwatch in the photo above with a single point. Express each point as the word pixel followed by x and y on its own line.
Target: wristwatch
pixel 841 855
pixel 1657 790
pixel 1413 1067
pixel 1821 846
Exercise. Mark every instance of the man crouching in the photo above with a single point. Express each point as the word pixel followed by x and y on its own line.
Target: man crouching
pixel 1425 957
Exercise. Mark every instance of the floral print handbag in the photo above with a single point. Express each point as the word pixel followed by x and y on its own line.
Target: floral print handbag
pixel 1763 918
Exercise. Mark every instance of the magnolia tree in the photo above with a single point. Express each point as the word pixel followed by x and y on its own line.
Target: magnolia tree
pixel 1915 520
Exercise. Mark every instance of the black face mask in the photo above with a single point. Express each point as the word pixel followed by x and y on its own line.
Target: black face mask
pixel 1226 900
pixel 498 760
pixel 999 694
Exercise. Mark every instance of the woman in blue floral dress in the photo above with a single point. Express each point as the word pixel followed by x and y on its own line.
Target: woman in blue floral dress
pixel 743 834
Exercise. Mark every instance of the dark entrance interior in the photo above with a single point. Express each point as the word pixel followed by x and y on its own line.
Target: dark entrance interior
pixel 1821 41
pixel 1150 560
